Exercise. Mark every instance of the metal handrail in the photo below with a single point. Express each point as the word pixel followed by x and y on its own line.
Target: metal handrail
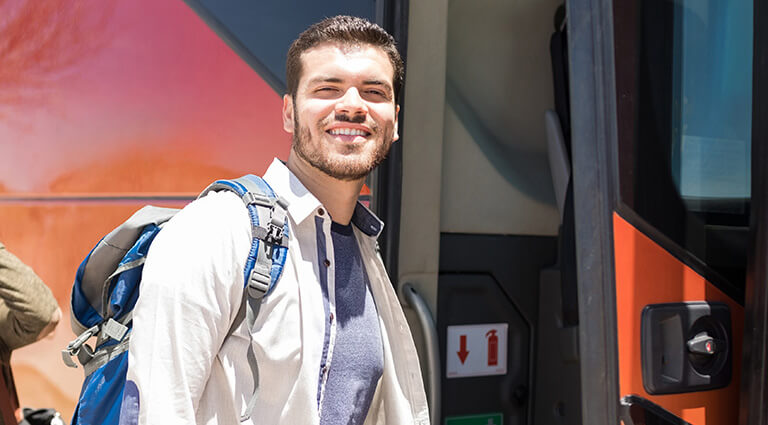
pixel 429 330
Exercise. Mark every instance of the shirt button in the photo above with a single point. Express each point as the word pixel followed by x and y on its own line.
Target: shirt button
pixel 327 263
pixel 320 211
pixel 331 317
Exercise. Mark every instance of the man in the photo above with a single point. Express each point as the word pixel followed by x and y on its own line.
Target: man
pixel 28 312
pixel 330 342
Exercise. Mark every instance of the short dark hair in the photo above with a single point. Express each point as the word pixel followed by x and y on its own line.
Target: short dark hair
pixel 347 30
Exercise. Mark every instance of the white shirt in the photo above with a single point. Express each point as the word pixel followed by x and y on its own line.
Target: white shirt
pixel 188 371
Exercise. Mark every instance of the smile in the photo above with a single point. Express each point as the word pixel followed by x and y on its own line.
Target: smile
pixel 348 132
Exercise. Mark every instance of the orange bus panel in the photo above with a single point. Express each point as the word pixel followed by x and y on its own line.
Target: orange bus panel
pixel 648 274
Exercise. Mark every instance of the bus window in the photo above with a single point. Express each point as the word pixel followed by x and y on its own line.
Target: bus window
pixel 712 105
pixel 684 108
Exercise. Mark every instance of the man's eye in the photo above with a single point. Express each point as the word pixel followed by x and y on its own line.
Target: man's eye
pixel 377 93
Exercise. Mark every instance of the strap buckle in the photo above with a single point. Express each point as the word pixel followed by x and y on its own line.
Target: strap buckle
pixel 274 234
pixel 73 348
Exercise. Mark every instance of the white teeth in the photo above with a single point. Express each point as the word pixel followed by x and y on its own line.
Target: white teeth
pixel 347 132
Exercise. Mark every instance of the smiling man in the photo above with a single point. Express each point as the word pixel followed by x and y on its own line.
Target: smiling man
pixel 330 343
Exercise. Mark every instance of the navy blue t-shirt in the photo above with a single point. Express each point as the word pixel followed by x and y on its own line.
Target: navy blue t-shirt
pixel 358 356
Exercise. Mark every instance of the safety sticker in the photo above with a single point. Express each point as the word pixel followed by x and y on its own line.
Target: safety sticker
pixel 476 350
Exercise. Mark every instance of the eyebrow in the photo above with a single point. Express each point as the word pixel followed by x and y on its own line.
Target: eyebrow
pixel 318 80
pixel 375 82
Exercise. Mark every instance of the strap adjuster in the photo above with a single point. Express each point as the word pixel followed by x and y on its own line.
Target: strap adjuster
pixel 251 198
pixel 258 283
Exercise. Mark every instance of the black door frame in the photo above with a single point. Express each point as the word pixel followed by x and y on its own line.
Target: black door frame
pixel 392 15
pixel 754 394
pixel 594 145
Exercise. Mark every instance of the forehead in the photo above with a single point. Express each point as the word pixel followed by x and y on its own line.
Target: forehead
pixel 346 62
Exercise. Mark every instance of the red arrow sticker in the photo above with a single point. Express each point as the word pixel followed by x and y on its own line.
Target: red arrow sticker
pixel 463 353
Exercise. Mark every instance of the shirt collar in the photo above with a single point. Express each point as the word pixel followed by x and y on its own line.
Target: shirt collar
pixel 366 221
pixel 302 203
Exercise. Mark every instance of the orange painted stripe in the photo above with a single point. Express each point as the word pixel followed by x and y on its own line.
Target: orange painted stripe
pixel 96 195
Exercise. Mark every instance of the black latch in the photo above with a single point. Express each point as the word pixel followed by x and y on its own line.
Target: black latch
pixel 704 344
pixel 686 347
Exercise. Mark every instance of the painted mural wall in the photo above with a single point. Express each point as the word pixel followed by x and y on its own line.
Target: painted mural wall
pixel 106 106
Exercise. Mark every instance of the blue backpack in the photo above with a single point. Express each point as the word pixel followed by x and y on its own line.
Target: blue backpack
pixel 107 286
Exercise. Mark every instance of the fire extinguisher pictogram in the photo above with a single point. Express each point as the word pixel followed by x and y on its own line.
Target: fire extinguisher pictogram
pixel 493 348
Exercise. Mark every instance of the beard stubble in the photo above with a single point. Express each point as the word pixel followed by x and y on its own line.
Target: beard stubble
pixel 348 167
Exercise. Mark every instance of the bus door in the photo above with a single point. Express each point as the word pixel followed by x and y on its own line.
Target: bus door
pixel 479 219
pixel 669 202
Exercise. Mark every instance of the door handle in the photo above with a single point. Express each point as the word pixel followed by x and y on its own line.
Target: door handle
pixel 686 347
pixel 417 303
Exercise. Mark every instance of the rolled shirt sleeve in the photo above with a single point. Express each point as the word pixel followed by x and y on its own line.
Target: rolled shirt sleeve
pixel 27 306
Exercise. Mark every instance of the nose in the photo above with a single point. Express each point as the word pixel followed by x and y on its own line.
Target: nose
pixel 351 103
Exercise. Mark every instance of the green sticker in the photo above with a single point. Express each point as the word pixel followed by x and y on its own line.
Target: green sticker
pixel 486 419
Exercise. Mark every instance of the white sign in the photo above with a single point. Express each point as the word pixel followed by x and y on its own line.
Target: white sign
pixel 476 350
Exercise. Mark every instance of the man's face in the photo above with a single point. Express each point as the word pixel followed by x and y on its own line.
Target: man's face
pixel 344 118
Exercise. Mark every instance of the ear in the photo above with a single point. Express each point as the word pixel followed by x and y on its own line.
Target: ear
pixel 288 113
pixel 395 135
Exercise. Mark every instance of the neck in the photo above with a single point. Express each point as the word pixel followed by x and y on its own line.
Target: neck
pixel 339 197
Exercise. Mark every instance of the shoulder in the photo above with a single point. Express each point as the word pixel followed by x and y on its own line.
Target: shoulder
pixel 212 231
pixel 215 205
pixel 217 215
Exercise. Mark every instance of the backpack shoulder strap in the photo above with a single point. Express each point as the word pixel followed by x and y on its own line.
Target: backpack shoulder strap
pixel 269 229
pixel 266 259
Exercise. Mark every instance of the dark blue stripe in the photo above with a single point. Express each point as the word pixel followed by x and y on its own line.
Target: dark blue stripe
pixel 322 256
